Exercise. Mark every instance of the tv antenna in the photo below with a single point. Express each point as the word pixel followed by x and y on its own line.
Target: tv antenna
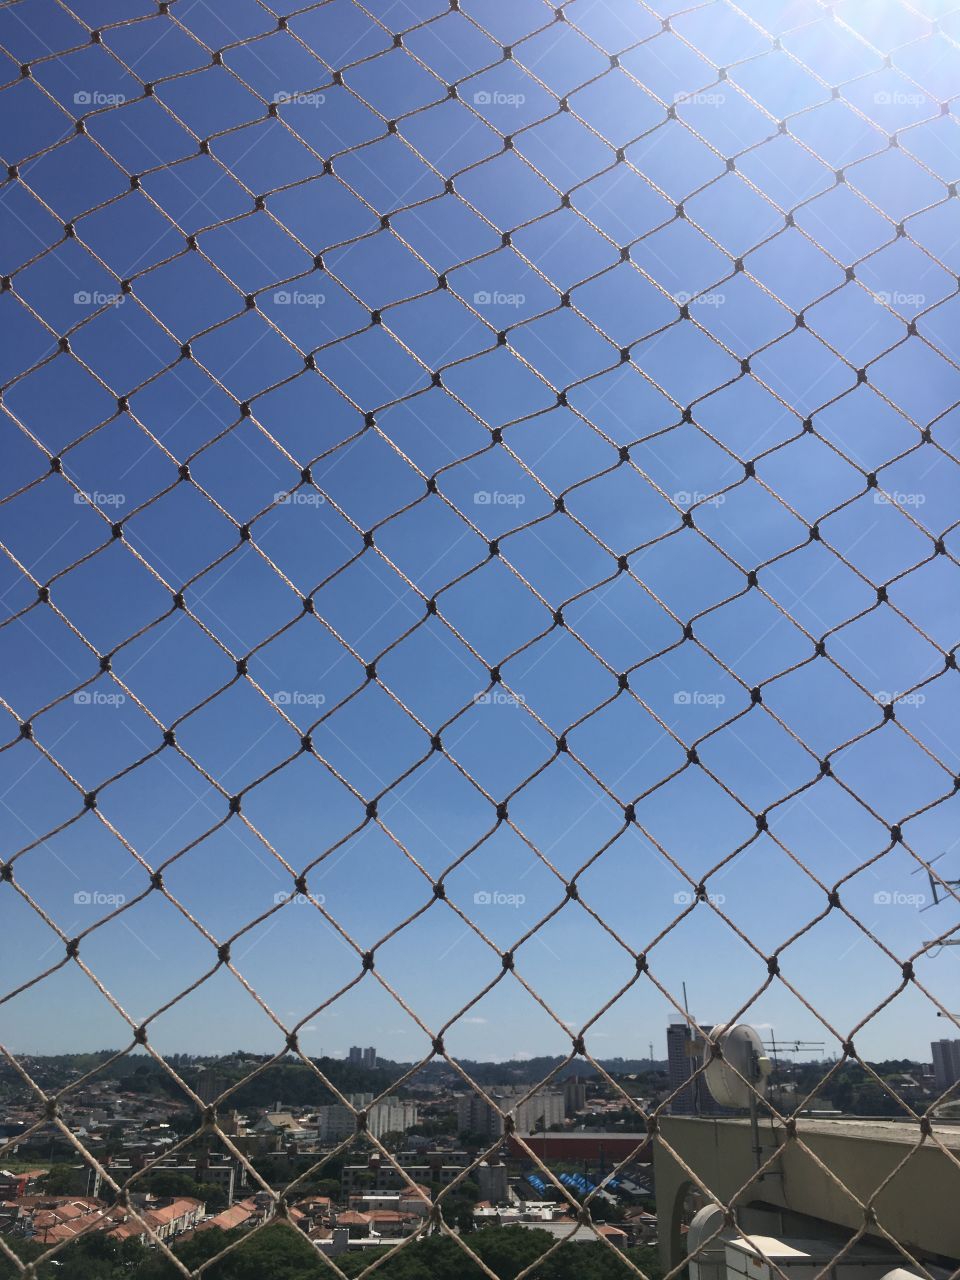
pixel 941 890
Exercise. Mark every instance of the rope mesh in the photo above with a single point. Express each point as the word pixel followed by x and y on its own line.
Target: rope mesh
pixel 529 408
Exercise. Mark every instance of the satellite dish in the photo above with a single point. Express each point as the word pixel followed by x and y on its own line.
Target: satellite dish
pixel 742 1053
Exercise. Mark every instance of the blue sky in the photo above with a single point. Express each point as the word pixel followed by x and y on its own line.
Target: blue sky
pixel 652 364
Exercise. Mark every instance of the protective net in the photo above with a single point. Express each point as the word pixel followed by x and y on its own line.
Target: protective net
pixel 479 518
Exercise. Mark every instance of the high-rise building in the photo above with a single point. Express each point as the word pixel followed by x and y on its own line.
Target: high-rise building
pixel 336 1122
pixel 358 1057
pixel 946 1062
pixel 680 1067
pixel 695 1099
pixel 391 1116
pixel 491 1176
pixel 210 1083
pixel 541 1112
pixel 474 1115
pixel 574 1096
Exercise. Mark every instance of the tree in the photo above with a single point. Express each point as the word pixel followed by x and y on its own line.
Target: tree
pixel 60 1180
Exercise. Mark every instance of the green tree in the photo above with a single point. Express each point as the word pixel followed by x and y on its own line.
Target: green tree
pixel 61 1180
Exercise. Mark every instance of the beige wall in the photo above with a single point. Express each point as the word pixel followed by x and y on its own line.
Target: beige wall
pixel 920 1206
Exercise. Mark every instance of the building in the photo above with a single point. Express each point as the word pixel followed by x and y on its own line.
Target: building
pixel 391 1116
pixel 475 1115
pixel 682 1062
pixel 358 1057
pixel 602 1150
pixel 210 1083
pixel 223 1172
pixel 280 1127
pixel 798 1210
pixel 491 1178
pixel 680 1068
pixel 567 1232
pixel 54 1220
pixel 337 1122
pixel 574 1096
pixel 382 1175
pixel 244 1214
pixel 334 1243
pixel 946 1063
pixel 541 1112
